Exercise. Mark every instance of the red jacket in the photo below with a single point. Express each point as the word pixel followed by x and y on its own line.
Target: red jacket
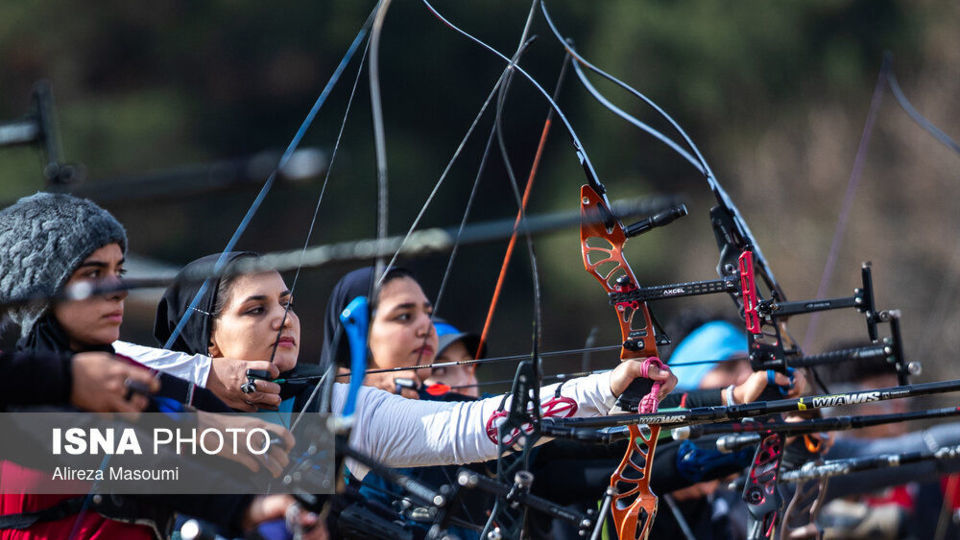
pixel 15 482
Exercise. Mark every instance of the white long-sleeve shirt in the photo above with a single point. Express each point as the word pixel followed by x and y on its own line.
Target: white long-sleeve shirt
pixel 401 432
pixel 194 368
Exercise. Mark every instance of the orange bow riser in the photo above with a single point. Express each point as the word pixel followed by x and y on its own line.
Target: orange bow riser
pixel 634 505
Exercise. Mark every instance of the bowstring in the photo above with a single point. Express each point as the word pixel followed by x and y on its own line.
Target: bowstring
pixel 842 219
pixel 578 146
pixel 443 176
pixel 521 220
pixel 448 167
pixel 333 156
pixel 585 160
pixel 544 379
pixel 545 354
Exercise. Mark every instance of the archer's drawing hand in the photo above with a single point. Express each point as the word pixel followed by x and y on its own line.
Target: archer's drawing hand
pixel 227 377
pixel 388 382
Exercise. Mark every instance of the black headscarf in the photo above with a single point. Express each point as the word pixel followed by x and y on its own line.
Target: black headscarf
pixel 335 345
pixel 359 282
pixel 195 336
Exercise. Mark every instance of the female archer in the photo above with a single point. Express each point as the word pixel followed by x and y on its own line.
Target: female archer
pixel 48 242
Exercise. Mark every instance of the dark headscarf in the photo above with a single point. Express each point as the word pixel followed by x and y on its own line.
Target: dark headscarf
pixel 356 283
pixel 195 336
pixel 335 346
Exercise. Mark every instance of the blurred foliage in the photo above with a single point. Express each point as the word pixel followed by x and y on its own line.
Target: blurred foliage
pixel 774 93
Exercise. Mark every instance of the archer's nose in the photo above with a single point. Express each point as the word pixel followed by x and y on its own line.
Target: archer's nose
pixel 425 326
pixel 113 281
pixel 284 319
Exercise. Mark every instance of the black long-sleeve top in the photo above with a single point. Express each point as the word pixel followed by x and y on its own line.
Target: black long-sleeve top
pixel 41 378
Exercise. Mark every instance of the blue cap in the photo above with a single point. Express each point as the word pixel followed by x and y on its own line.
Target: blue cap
pixel 714 341
pixel 448 334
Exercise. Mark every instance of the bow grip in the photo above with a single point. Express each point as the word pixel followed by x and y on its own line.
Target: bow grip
pixel 630 399
pixel 775 391
pixel 641 395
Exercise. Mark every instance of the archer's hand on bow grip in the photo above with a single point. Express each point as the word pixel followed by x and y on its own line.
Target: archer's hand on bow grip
pixel 650 378
pixel 770 385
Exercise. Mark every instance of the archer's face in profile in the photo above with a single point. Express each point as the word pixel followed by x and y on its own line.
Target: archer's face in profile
pixel 95 321
pixel 401 332
pixel 252 322
pixel 463 379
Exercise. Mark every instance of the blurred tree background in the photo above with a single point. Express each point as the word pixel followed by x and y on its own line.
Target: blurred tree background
pixel 775 93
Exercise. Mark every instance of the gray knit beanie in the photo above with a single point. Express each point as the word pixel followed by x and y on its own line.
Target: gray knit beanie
pixel 43 239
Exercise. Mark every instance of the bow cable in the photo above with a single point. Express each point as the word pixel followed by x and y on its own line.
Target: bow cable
pixel 521 212
pixel 306 242
pixel 469 206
